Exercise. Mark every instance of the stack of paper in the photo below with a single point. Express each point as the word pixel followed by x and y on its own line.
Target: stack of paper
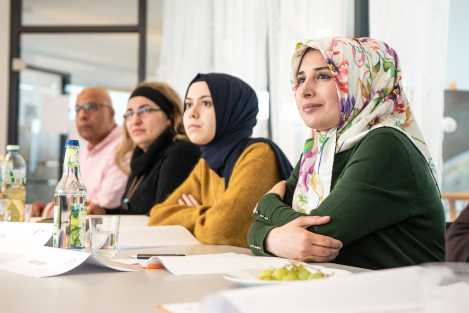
pixel 46 261
pixel 21 238
pixel 206 264
pixel 154 236
pixel 133 221
pixel 403 290
pixel 385 291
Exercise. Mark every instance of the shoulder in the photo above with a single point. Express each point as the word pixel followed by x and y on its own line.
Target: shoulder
pixel 258 150
pixel 385 140
pixel 183 146
pixel 114 138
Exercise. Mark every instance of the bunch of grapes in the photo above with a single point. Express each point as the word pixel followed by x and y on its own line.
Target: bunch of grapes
pixel 293 271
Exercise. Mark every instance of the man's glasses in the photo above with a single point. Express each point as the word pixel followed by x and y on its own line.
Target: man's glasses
pixel 90 107
pixel 142 112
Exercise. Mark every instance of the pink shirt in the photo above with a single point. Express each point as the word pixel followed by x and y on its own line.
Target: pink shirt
pixel 105 183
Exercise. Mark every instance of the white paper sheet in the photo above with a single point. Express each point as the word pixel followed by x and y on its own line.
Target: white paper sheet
pixel 390 291
pixel 47 261
pixel 452 298
pixel 189 307
pixel 134 221
pixel 21 238
pixel 154 236
pixel 207 263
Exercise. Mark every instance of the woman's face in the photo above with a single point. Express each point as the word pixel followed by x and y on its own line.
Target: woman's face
pixel 316 97
pixel 147 127
pixel 199 116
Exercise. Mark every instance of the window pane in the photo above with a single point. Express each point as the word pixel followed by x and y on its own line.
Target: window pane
pixel 41 151
pixel 90 60
pixel 154 35
pixel 109 60
pixel 83 12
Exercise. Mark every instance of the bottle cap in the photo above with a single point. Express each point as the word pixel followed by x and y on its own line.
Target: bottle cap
pixel 13 147
pixel 72 143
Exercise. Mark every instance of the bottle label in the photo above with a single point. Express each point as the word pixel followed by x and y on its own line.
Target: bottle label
pixel 56 227
pixel 71 157
pixel 17 177
pixel 78 226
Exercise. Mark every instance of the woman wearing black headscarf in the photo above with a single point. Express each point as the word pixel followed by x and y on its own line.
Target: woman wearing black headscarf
pixel 215 203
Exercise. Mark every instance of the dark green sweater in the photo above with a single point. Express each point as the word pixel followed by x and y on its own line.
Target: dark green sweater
pixel 384 206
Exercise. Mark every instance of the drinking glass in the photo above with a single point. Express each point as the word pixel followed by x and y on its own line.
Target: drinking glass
pixel 5 215
pixel 104 232
pixel 27 212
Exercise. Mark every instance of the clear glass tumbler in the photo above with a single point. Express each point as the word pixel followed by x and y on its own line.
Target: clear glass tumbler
pixel 5 214
pixel 104 232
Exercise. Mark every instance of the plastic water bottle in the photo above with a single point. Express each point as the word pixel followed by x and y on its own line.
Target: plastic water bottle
pixel 13 179
pixel 69 205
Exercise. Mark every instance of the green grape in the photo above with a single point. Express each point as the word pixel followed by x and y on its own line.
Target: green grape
pixel 292 275
pixel 266 275
pixel 278 274
pixel 303 273
pixel 316 275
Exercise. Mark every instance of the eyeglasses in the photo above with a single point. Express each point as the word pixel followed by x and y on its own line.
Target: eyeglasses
pixel 90 107
pixel 142 112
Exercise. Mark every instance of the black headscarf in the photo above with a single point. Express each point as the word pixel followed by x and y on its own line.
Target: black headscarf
pixel 236 107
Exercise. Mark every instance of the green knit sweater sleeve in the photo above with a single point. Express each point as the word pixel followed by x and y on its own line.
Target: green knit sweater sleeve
pixel 377 188
pixel 270 203
pixel 261 227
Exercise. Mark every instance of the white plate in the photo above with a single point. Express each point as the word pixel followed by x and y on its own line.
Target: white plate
pixel 250 277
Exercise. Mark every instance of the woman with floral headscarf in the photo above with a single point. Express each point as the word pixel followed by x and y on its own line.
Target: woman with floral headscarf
pixel 364 191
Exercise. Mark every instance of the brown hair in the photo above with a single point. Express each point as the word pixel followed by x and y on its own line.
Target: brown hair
pixel 176 127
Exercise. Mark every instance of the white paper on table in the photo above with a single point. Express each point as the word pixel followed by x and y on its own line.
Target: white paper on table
pixel 154 261
pixel 133 221
pixel 189 307
pixel 207 263
pixel 390 291
pixel 21 238
pixel 55 114
pixel 47 261
pixel 154 236
pixel 452 298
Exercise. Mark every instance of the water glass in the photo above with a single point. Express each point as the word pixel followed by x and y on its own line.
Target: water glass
pixel 27 212
pixel 104 232
pixel 5 215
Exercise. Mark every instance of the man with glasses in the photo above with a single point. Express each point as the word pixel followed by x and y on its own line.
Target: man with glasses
pixel 105 183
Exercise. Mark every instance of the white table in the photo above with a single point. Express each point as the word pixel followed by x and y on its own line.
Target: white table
pixel 106 290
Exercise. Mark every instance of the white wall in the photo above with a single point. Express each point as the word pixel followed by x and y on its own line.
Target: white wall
pixel 458 45
pixel 4 71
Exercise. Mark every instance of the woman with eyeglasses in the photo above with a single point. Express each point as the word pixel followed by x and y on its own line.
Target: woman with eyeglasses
pixel 162 156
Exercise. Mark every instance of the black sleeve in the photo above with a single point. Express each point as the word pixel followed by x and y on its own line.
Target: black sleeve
pixel 176 167
pixel 457 239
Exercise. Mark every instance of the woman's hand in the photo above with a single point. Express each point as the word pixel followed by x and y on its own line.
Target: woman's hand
pixel 37 208
pixel 279 189
pixel 94 209
pixel 189 200
pixel 294 241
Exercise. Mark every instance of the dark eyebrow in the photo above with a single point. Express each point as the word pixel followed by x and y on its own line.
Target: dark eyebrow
pixel 314 69
pixel 142 106
pixel 322 68
pixel 205 96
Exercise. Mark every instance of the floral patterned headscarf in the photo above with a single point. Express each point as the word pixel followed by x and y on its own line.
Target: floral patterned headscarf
pixel 368 78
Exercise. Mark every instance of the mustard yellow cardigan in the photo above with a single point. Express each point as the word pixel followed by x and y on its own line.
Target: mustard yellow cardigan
pixel 224 216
